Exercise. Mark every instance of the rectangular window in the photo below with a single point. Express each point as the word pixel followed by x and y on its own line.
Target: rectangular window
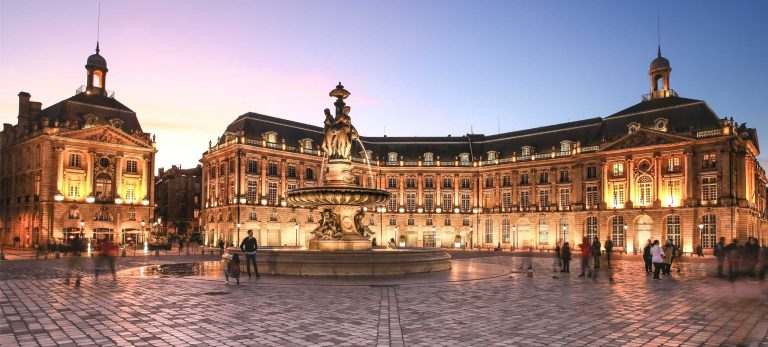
pixel 673 188
pixel 524 179
pixel 505 231
pixel 131 166
pixel 673 229
pixel 252 167
pixel 410 182
pixel 222 170
pixel 410 201
pixel 618 169
pixel 489 182
pixel 709 189
pixel 74 190
pixel 231 167
pixel 74 160
pixel 591 172
pixel 506 181
pixel 447 183
pixel 447 202
pixel 392 182
pixel 272 169
pixel 465 203
pixel 130 193
pixel 543 198
pixel 543 177
pixel 525 199
pixel 429 202
pixel 291 186
pixel 291 171
pixel 592 196
pixel 252 192
pixel 565 198
pixel 565 176
pixel 506 201
pixel 673 164
pixel 392 220
pixel 132 215
pixel 429 182
pixel 709 160
pixel 392 203
pixel 488 231
pixel 465 182
pixel 618 195
pixel 272 193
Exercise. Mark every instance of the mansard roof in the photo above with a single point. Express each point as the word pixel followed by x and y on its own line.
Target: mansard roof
pixel 75 109
pixel 683 117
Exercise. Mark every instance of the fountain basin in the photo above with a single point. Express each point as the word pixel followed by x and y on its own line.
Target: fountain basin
pixel 323 196
pixel 375 262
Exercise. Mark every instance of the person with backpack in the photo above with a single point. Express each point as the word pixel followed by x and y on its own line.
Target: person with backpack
pixel 232 268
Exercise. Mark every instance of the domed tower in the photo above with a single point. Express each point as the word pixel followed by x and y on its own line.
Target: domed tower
pixel 97 74
pixel 659 73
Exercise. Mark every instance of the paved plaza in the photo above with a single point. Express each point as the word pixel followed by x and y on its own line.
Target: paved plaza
pixel 487 300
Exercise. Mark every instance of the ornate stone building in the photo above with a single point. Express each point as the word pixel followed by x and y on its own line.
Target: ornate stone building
pixel 81 166
pixel 667 167
pixel 177 199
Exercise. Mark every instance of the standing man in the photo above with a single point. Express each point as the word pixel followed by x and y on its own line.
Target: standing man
pixel 608 251
pixel 720 254
pixel 596 252
pixel 647 257
pixel 221 247
pixel 249 246
pixel 585 249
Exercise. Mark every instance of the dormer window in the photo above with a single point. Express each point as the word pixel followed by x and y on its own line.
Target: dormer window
pixel 392 157
pixel 270 137
pixel 492 155
pixel 565 146
pixel 90 120
pixel 429 158
pixel 367 155
pixel 661 124
pixel 117 123
pixel 306 143
pixel 527 150
pixel 464 158
pixel 633 127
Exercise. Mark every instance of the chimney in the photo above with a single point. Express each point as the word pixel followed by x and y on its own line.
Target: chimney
pixel 23 117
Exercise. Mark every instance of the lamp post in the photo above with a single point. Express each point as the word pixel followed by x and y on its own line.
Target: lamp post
pixel 476 211
pixel 565 232
pixel 471 238
pixel 514 237
pixel 624 238
pixel 701 233
pixel 143 236
pixel 434 237
pixel 238 234
pixel 296 230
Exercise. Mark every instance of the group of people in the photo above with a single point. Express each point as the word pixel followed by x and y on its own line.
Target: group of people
pixel 660 258
pixel 106 259
pixel 591 254
pixel 747 259
pixel 249 246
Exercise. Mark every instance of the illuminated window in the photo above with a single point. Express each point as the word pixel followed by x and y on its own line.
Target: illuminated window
pixel 74 190
pixel 429 201
pixel 543 198
pixel 673 188
pixel 488 231
pixel 563 229
pixel 465 183
pixel 103 187
pixel 525 199
pixel 709 160
pixel 491 155
pixel 709 189
pixel 645 190
pixel 392 202
pixel 489 182
pixel 464 158
pixel 543 232
pixel 429 182
pixel 130 193
pixel 505 230
pixel 565 146
pixel 272 193
pixel 410 220
pixel 447 221
pixel 618 195
pixel 618 169
pixel 526 151
pixel 465 203
pixel 131 166
pixel 392 220
pixel 74 160
pixel 392 182
pixel 591 228
pixel 673 164
pixel 429 159
pixel 592 196
pixel 709 232
pixel 673 229
pixel 252 215
pixel 447 202
pixel 617 231
pixel 392 158
pixel 428 220
pixel 252 190
pixel 410 201
pixel 506 200
pixel 306 143
pixel 132 215
pixel 565 198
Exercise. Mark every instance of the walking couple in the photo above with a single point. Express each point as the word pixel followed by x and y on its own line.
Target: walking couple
pixel 249 246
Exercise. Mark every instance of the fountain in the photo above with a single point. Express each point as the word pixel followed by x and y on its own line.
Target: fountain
pixel 341 243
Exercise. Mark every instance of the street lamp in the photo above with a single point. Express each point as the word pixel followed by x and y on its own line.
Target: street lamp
pixel 296 230
pixel 144 236
pixel 701 233
pixel 58 197
pixel 565 232
pixel 471 232
pixel 90 199
pixel 514 237
pixel 238 232
pixel 476 211
pixel 624 238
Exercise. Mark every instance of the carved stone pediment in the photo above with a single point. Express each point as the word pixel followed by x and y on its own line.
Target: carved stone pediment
pixel 643 138
pixel 107 134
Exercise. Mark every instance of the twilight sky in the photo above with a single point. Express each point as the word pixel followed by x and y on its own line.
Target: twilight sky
pixel 414 68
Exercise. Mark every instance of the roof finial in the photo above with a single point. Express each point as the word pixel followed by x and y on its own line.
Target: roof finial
pixel 98 28
pixel 97 47
pixel 658 33
pixel 659 51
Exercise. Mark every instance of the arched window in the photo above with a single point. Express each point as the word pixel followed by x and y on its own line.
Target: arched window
pixel 429 159
pixel 505 230
pixel 617 231
pixel 617 169
pixel 97 79
pixel 310 174
pixel 709 231
pixel 103 189
pixel 673 229
pixel 591 228
pixel 488 231
pixel 543 232
pixel 645 190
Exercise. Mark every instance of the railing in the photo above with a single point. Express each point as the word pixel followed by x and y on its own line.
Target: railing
pixel 659 94
pixel 709 133
pixel 591 149
pixel 84 88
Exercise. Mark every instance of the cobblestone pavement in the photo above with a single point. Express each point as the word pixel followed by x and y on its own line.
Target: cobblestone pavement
pixel 689 308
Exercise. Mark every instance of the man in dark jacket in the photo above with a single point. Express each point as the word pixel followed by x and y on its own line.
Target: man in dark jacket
pixel 648 258
pixel 732 253
pixel 596 252
pixel 249 246
pixel 720 253
pixel 608 251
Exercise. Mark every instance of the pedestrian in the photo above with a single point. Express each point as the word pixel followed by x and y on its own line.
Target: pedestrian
pixel 732 254
pixel 74 263
pixel 566 255
pixel 596 252
pixel 762 262
pixel 751 254
pixel 608 251
pixel 657 257
pixel 181 243
pixel 585 248
pixel 249 246
pixel 557 262
pixel 233 268
pixel 720 253
pixel 221 247
pixel 699 251
pixel 647 257
pixel 669 255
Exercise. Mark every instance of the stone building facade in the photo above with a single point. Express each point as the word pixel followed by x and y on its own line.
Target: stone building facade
pixel 177 200
pixel 82 166
pixel 667 167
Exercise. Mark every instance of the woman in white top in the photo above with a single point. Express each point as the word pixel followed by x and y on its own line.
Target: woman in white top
pixel 657 257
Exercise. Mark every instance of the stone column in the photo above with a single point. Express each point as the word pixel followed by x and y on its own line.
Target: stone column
pixel 690 198
pixel 657 181
pixel 264 164
pixel 118 174
pixel 59 169
pixel 602 184
pixel 629 167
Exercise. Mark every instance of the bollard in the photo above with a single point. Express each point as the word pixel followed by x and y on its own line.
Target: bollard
pixel 157 252
pixel 530 272
pixel 57 254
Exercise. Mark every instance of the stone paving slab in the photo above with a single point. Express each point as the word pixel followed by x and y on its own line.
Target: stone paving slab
pixel 690 308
